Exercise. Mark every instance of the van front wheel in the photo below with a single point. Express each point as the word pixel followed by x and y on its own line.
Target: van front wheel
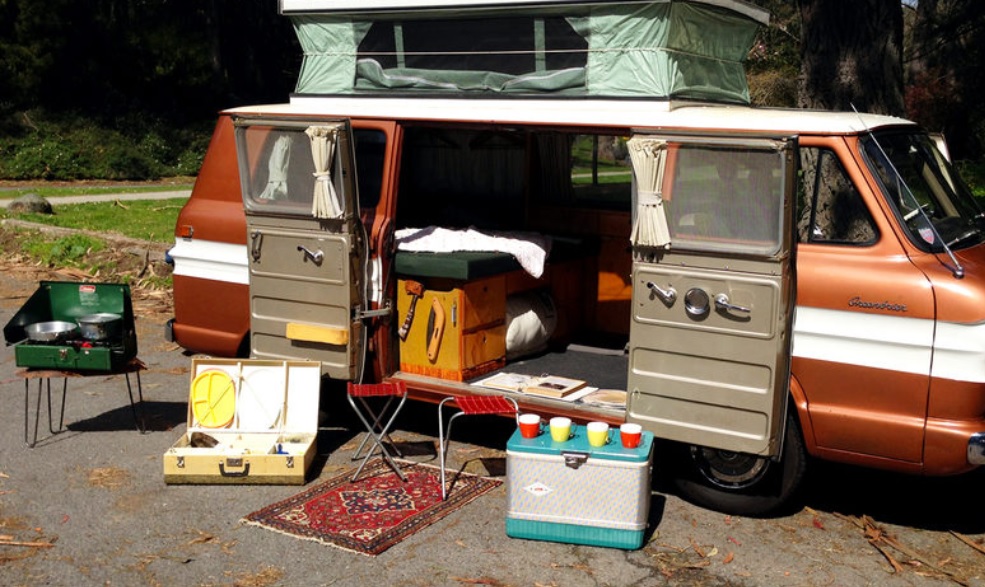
pixel 737 483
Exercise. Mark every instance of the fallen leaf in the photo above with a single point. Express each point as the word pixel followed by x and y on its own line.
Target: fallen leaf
pixel 734 541
pixel 728 558
pixel 697 549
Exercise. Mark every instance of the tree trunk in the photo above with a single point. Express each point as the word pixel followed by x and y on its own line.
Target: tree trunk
pixel 851 55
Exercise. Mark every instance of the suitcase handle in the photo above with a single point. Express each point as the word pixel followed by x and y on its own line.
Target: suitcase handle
pixel 234 463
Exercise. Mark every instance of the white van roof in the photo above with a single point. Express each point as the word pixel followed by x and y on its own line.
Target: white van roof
pixel 655 114
pixel 404 6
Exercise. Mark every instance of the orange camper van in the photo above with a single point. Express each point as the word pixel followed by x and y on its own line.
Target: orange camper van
pixel 467 195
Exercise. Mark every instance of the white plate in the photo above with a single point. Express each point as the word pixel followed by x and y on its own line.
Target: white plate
pixel 261 398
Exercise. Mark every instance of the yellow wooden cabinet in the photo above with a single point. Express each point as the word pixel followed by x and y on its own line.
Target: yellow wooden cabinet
pixel 458 331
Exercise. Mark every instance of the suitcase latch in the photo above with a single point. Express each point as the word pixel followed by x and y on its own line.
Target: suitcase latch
pixel 574 459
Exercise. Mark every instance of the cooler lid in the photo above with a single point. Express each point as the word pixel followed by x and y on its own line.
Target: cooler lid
pixel 578 442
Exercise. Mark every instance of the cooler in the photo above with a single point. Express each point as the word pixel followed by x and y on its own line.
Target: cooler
pixel 576 493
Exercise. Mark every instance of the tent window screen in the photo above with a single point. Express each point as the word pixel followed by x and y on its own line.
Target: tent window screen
pixel 503 45
pixel 725 199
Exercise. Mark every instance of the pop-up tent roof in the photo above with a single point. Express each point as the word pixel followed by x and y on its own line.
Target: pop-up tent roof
pixel 692 49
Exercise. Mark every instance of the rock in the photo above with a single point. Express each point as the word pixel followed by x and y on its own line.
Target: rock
pixel 30 203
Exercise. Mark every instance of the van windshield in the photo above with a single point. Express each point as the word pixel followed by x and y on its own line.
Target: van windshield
pixel 929 198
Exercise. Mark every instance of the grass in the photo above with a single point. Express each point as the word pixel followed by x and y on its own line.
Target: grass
pixel 150 220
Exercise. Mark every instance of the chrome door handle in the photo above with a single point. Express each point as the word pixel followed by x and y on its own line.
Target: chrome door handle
pixel 316 256
pixel 722 304
pixel 669 295
pixel 256 239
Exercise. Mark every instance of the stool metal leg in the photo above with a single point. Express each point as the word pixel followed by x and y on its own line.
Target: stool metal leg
pixel 376 426
pixel 443 440
pixel 378 439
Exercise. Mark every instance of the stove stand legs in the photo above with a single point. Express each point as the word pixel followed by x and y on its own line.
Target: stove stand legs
pixel 43 384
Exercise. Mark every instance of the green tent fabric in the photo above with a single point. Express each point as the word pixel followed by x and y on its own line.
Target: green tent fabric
pixel 658 49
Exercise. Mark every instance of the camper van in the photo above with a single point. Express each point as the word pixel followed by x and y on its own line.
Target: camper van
pixel 572 202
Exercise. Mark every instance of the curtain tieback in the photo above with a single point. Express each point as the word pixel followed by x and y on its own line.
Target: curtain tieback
pixel 649 198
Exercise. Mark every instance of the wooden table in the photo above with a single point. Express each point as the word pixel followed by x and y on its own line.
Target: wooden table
pixel 44 377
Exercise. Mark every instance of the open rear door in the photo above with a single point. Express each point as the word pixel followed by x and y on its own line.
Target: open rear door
pixel 713 290
pixel 306 243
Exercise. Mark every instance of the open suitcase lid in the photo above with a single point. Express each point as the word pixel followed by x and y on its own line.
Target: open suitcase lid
pixel 229 395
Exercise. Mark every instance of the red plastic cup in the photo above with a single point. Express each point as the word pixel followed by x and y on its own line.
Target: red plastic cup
pixel 630 434
pixel 529 425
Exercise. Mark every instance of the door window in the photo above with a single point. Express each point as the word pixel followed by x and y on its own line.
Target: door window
pixel 724 198
pixel 291 168
pixel 830 209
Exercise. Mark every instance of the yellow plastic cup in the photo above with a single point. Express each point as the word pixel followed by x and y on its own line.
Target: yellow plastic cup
pixel 560 429
pixel 598 433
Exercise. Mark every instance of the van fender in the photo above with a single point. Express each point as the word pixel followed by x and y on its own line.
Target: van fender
pixel 799 402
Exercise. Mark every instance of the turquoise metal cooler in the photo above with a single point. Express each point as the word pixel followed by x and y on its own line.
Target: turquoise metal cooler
pixel 576 493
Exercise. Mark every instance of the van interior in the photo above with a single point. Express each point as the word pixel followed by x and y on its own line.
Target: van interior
pixel 571 194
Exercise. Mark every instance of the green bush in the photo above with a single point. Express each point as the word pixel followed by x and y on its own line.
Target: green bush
pixel 973 173
pixel 69 251
pixel 37 146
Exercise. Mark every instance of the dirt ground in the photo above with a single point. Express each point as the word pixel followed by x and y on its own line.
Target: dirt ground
pixel 89 506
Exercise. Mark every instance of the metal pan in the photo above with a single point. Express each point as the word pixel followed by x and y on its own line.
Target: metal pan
pixel 103 326
pixel 54 331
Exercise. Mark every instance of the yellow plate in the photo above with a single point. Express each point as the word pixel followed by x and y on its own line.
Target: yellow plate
pixel 213 399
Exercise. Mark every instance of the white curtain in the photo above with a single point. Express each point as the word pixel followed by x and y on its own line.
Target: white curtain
pixel 276 188
pixel 326 202
pixel 649 160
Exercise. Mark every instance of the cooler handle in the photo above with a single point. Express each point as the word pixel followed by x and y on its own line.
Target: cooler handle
pixel 574 459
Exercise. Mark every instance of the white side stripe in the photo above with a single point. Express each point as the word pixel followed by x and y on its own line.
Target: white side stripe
pixel 211 260
pixel 867 340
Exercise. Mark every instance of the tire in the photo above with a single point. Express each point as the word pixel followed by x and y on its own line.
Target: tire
pixel 736 483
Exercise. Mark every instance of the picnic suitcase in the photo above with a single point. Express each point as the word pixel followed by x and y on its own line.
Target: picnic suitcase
pixel 249 422
pixel 575 493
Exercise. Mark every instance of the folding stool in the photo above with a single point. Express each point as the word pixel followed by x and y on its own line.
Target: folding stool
pixel 474 405
pixel 375 432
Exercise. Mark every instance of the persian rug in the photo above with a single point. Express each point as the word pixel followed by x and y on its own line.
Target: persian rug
pixel 374 513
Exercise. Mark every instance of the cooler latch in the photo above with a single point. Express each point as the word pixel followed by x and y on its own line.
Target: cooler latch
pixel 574 459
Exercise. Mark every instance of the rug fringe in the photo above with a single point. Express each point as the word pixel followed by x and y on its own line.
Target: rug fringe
pixel 246 522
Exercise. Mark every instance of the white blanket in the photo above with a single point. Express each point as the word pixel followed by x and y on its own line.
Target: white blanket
pixel 530 249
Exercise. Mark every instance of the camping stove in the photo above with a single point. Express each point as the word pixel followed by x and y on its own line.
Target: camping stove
pixel 67 302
